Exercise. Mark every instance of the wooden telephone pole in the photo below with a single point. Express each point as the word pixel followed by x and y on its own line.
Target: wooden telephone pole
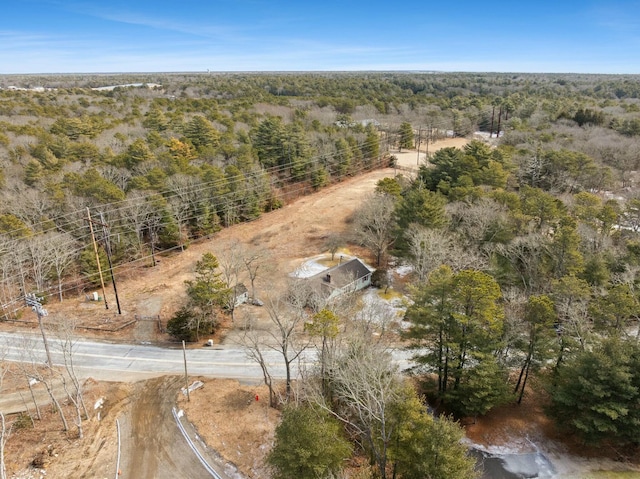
pixel 95 250
pixel 36 304
pixel 107 248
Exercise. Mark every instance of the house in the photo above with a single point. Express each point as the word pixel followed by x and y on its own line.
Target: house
pixel 241 295
pixel 346 277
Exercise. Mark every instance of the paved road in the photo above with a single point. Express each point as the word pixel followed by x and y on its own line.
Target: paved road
pixel 131 362
pixel 151 444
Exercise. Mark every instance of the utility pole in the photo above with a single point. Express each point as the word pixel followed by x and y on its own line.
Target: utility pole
pixel 107 247
pixel 36 305
pixel 418 148
pixel 152 236
pixel 95 250
pixel 186 376
pixel 428 138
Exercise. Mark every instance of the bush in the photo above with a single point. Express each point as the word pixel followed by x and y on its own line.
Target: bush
pixel 23 421
pixel 187 325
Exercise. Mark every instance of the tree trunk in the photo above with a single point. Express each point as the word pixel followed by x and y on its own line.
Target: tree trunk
pixel 524 384
pixel 3 440
pixel 65 425
pixel 323 367
pixel 33 398
pixel 60 288
pixel 525 366
pixel 440 362
pixel 288 379
pixel 445 379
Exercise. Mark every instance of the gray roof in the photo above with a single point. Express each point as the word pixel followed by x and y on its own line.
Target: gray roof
pixel 343 274
pixel 240 289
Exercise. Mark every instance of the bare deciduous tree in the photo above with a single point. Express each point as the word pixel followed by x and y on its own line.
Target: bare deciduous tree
pixel 374 320
pixel 429 248
pixel 136 215
pixel 231 263
pixel 525 255
pixel 254 346
pixel 333 243
pixel 40 259
pixel 287 320
pixel 374 224
pixel 66 337
pixel 283 334
pixel 63 253
pixel 365 383
pixel 482 221
pixel 255 260
pixel 32 369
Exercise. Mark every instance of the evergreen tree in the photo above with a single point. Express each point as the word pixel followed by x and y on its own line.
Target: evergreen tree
pixel 460 318
pixel 155 119
pixel 425 446
pixel 541 339
pixel 207 294
pixel 201 133
pixel 137 154
pixel 268 141
pixel 308 445
pixel 421 207
pixel 406 135
pixel 596 393
pixel 371 147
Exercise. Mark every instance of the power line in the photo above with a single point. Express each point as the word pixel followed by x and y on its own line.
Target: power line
pixel 275 176
pixel 293 192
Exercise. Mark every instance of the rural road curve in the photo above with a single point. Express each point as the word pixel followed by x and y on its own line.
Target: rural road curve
pixel 132 362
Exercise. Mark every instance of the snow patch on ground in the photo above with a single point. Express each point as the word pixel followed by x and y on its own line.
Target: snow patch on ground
pixel 547 459
pixel 381 311
pixel 313 266
pixel 403 270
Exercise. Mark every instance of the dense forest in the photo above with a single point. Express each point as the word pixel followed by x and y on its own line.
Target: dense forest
pixel 170 158
pixel 524 248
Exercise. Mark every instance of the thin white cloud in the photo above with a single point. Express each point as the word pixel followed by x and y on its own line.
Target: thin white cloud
pixel 220 30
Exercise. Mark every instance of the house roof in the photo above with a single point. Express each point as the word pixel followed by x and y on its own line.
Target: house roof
pixel 343 274
pixel 240 289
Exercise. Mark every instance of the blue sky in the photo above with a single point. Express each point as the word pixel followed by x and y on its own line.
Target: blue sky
pixel 49 36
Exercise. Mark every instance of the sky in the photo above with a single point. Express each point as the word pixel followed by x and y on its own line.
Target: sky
pixel 561 36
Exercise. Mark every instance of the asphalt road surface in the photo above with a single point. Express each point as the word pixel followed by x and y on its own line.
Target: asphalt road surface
pixel 131 362
pixel 152 447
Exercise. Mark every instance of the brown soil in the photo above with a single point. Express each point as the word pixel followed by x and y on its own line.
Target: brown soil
pixel 513 424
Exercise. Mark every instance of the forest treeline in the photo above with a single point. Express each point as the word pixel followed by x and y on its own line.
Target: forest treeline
pixel 159 169
pixel 523 245
pixel 167 164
